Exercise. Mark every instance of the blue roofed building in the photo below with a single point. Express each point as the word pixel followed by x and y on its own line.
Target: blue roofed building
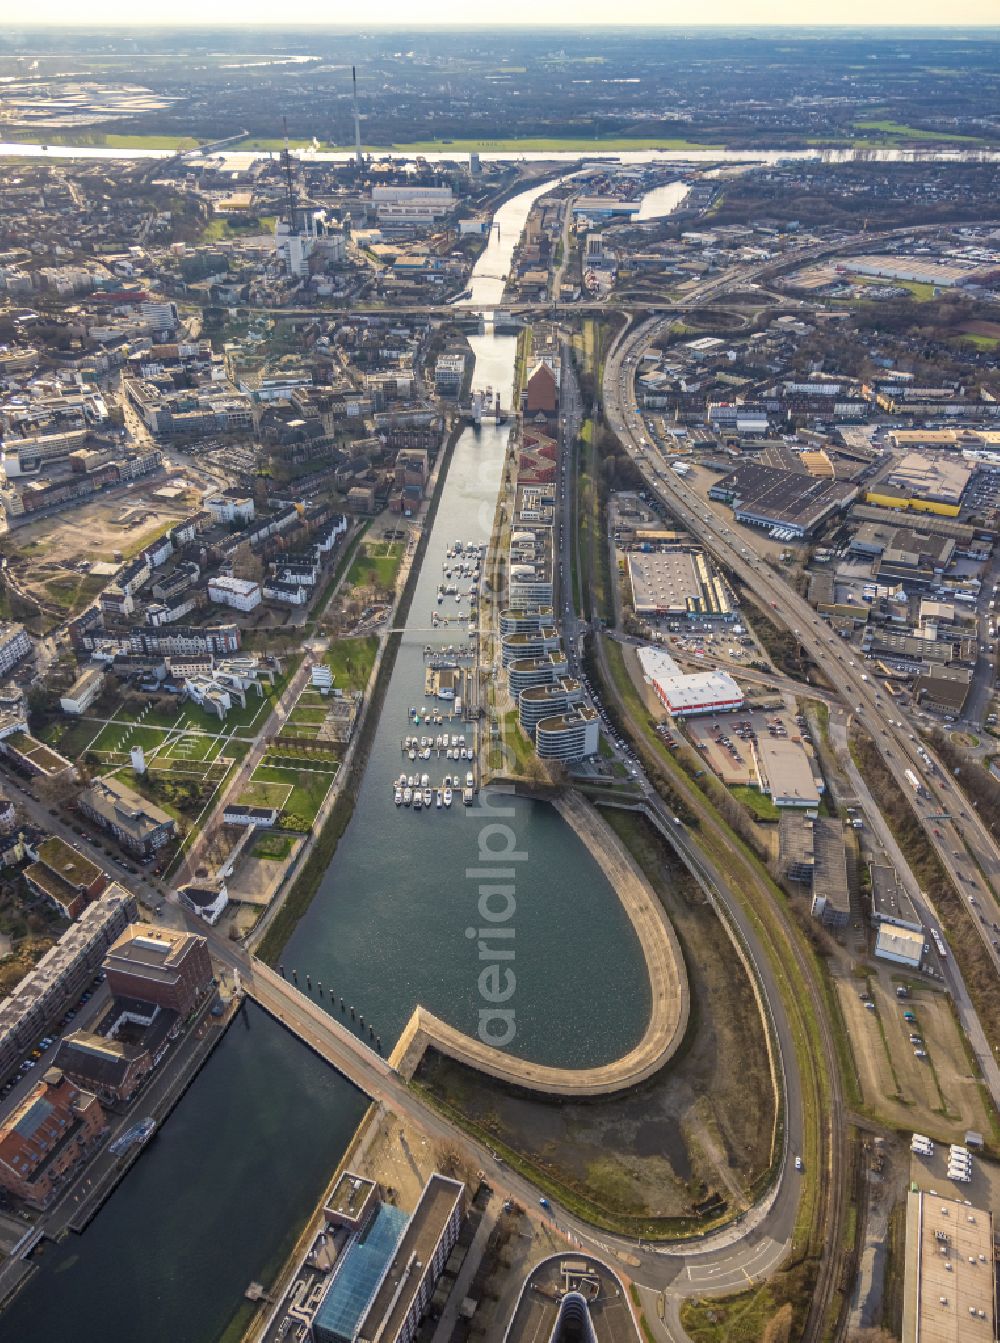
pixel 359 1272
pixel 386 1273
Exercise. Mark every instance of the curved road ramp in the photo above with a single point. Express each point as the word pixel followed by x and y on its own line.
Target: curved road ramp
pixel 670 1005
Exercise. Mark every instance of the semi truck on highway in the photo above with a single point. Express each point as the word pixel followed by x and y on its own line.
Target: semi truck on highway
pixel 913 781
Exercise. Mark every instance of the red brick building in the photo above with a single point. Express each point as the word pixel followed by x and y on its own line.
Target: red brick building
pixel 45 1138
pixel 159 965
pixel 541 391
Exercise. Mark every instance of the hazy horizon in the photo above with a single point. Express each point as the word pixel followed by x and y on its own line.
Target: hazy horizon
pixel 571 15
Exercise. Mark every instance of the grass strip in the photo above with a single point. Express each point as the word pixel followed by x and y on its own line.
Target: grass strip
pixel 311 874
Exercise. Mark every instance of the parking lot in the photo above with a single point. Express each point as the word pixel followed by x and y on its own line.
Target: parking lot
pixel 725 743
pixel 937 1094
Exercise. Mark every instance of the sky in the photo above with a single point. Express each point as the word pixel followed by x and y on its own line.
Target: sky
pixel 575 13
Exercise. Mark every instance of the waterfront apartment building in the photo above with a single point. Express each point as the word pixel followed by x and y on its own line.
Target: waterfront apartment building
pixel 62 974
pixel 530 570
pixel 139 826
pixel 159 965
pixel 514 647
pixel 14 645
pixel 46 1136
pixel 521 620
pixel 528 672
pixel 568 737
pixel 547 701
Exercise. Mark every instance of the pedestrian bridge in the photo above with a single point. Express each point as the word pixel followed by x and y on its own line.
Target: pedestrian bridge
pixel 353 1054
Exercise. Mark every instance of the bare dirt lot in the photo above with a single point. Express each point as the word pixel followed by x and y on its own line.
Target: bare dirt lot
pixel 63 561
pixel 700 1130
pixel 937 1095
pixel 95 530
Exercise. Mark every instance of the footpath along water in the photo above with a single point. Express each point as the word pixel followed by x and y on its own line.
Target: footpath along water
pixel 213 1203
pixel 390 925
pixel 216 1199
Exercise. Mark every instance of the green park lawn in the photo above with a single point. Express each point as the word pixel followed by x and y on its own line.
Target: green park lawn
pixel 376 564
pixel 351 661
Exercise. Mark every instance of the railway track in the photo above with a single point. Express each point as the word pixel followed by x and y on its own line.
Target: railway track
pixel 831 1113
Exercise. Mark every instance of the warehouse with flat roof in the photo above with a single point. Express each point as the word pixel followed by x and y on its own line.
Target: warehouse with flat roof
pixel 766 496
pixel 902 946
pixel 677 583
pixel 685 693
pixel 949 1291
pixel 933 477
pixel 663 583
pixel 831 898
pixel 785 772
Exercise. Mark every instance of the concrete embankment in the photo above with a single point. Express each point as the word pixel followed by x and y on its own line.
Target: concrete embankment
pixel 669 991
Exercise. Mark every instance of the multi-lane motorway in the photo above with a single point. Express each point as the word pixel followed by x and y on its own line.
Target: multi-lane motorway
pixel 965 848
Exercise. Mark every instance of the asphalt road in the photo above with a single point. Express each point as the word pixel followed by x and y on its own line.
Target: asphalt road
pixel 957 832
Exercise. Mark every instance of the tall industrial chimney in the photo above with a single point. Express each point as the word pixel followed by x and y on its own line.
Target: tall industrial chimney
pixel 358 156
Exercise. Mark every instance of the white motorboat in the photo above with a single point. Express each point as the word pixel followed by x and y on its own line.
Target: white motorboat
pixel 398 797
pixel 407 796
pixel 439 798
pixel 428 797
pixel 418 800
pixel 447 797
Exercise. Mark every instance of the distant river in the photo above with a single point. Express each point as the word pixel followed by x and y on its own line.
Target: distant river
pixel 242 158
